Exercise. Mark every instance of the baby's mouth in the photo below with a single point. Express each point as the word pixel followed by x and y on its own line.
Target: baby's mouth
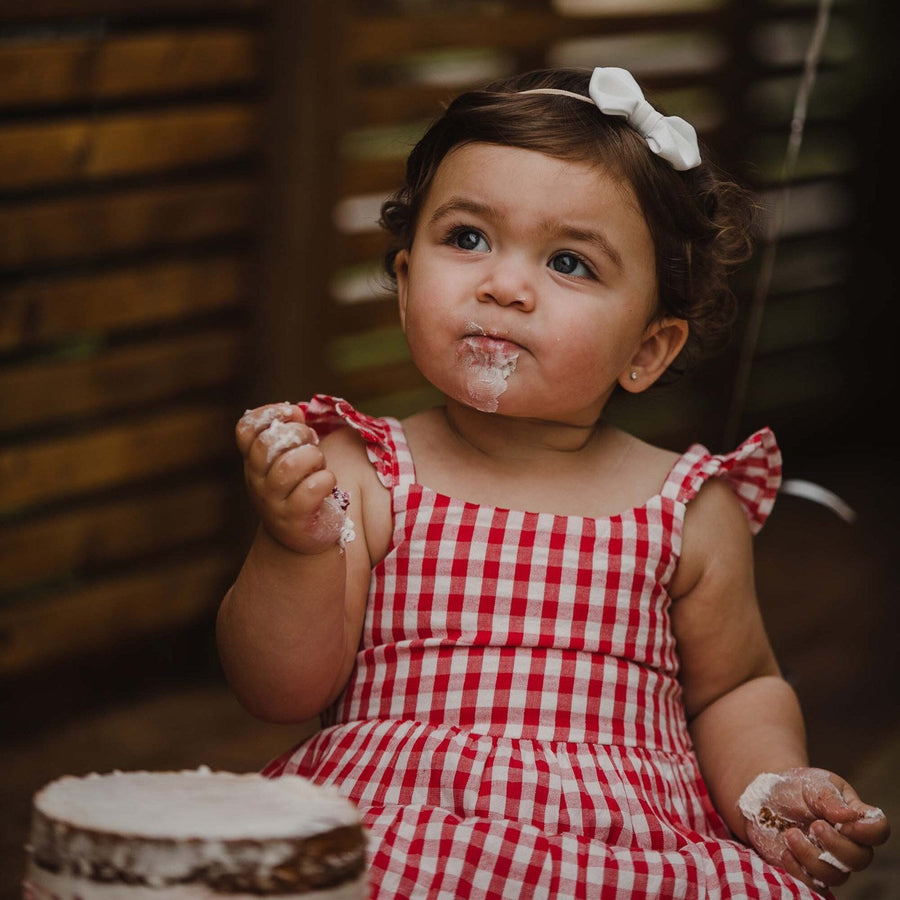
pixel 487 342
pixel 488 361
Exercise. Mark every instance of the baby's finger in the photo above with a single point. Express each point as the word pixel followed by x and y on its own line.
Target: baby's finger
pixel 291 468
pixel 281 436
pixel 792 866
pixel 309 494
pixel 838 850
pixel 828 799
pixel 257 420
pixel 273 442
pixel 871 828
pixel 861 822
pixel 820 873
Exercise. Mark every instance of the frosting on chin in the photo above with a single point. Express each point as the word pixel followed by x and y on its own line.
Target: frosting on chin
pixel 487 366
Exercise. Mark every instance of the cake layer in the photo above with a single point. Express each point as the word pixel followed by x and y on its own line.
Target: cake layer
pixel 42 885
pixel 225 832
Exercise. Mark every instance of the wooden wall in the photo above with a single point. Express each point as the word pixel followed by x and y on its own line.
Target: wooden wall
pixel 188 196
pixel 129 182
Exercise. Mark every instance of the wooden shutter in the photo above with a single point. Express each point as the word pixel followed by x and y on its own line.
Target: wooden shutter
pixel 129 144
pixel 188 201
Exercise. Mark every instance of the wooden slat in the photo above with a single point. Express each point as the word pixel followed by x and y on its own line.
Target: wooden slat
pixel 306 83
pixel 368 39
pixel 364 316
pixel 40 231
pixel 49 390
pixel 37 10
pixel 368 176
pixel 42 471
pixel 376 381
pixel 107 612
pixel 54 308
pixel 385 105
pixel 89 538
pixel 358 248
pixel 93 148
pixel 102 67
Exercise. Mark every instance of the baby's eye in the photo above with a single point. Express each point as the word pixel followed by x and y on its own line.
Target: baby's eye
pixel 469 239
pixel 570 264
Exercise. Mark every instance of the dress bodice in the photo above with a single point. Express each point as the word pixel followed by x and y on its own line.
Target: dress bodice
pixel 529 624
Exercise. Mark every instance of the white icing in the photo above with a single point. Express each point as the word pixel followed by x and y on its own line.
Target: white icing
pixel 43 885
pixel 174 823
pixel 832 860
pixel 280 436
pixel 488 364
pixel 180 805
pixel 348 533
pixel 331 523
pixel 757 794
pixel 264 416
pixel 872 814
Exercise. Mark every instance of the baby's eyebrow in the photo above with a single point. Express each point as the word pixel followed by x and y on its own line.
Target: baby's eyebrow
pixel 587 235
pixel 463 204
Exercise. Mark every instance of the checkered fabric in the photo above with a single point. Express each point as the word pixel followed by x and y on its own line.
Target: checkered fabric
pixel 514 727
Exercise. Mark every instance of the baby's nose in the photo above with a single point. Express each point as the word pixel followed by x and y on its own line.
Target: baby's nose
pixel 508 285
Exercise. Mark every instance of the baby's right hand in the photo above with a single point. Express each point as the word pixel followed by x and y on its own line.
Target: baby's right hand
pixel 289 484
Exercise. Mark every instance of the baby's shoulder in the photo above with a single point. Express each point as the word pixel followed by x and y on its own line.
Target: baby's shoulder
pixel 346 455
pixel 643 466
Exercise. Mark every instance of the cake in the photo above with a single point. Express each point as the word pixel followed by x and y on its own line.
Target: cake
pixel 193 834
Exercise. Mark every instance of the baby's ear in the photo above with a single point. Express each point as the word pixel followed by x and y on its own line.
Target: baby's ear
pixel 401 273
pixel 661 343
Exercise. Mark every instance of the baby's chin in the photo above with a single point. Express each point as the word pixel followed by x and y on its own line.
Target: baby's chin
pixel 485 369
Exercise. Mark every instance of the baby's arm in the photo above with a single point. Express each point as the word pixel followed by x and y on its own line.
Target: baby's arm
pixel 745 719
pixel 289 628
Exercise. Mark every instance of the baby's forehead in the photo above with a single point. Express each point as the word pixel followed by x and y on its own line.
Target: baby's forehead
pixel 511 180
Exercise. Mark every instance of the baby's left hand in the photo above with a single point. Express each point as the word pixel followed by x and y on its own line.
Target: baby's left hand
pixel 813 824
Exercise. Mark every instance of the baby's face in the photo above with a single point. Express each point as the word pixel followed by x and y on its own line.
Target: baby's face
pixel 529 285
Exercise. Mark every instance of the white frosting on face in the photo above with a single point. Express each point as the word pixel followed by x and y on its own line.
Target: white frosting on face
pixel 487 365
pixel 212 805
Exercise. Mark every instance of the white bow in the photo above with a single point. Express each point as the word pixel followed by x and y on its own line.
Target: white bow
pixel 616 93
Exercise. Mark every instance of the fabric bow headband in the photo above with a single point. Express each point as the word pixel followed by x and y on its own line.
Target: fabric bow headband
pixel 616 93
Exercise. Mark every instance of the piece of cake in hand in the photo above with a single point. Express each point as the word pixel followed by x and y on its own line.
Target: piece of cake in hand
pixel 193 834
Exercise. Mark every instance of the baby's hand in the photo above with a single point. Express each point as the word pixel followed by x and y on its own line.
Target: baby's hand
pixel 290 487
pixel 812 823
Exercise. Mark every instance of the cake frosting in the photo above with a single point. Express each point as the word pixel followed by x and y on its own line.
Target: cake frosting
pixel 193 834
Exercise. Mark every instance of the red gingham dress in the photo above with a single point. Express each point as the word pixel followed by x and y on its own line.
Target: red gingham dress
pixel 513 727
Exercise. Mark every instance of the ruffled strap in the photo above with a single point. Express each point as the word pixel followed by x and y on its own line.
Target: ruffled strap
pixel 753 471
pixel 384 438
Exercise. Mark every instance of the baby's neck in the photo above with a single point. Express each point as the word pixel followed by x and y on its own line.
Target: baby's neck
pixel 538 466
pixel 506 438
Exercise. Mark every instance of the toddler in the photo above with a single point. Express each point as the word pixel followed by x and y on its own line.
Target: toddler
pixel 535 638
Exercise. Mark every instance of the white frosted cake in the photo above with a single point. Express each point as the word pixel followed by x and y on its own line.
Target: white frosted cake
pixel 193 834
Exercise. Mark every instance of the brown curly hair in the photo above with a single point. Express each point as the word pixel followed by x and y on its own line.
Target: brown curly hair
pixel 700 221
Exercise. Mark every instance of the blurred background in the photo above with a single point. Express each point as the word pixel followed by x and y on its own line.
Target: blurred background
pixel 188 200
